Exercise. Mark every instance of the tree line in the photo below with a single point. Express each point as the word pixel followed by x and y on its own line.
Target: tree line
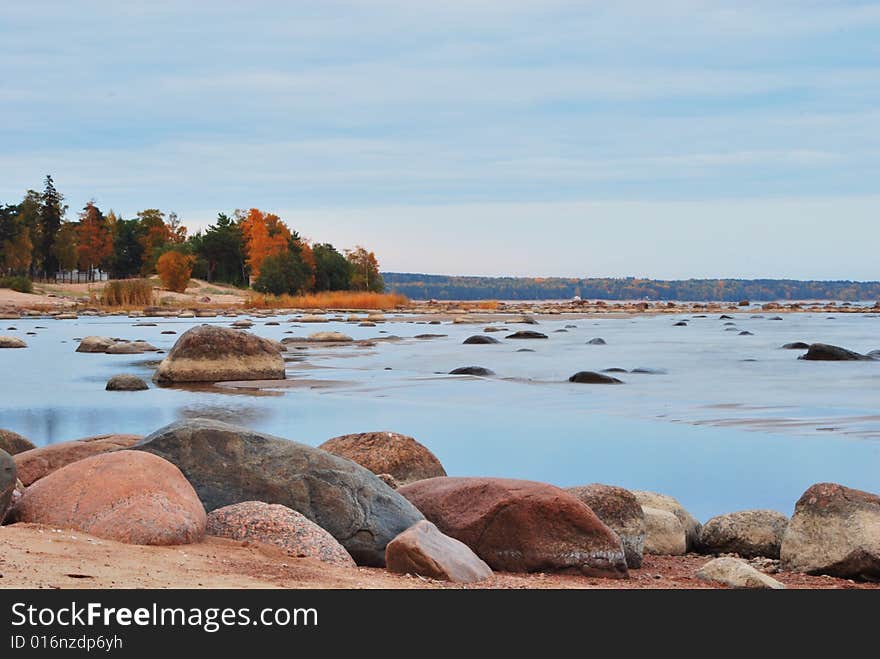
pixel 240 248
pixel 442 287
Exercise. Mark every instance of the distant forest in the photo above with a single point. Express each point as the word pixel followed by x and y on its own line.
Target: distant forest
pixel 443 287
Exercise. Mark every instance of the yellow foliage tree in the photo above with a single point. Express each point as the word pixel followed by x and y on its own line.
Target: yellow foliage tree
pixel 174 270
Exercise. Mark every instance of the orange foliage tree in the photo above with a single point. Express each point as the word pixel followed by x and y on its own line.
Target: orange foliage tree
pixel 93 238
pixel 265 235
pixel 174 270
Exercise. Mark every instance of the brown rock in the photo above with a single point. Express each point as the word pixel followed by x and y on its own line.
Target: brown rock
pixel 748 533
pixel 8 482
pixel 280 526
pixel 215 354
pixel 620 511
pixel 520 526
pixel 13 443
pixel 39 462
pixel 664 534
pixel 95 344
pixel 835 530
pixel 126 496
pixel 389 480
pixel 387 453
pixel 11 342
pixel 424 551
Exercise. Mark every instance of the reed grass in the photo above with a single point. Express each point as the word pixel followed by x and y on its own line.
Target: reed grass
pixel 127 293
pixel 328 299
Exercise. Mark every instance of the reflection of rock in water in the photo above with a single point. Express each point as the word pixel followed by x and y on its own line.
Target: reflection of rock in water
pixel 242 415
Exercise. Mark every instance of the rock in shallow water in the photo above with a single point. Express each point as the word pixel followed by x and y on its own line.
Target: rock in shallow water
pixel 126 382
pixel 399 456
pixel 227 464
pixel 279 526
pixel 520 526
pixel 480 339
pixel 526 334
pixel 825 352
pixel 472 370
pixel 591 377
pixel 126 496
pixel 11 342
pixel 423 550
pixel 214 354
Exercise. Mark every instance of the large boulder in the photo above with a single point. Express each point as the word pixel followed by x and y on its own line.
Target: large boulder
pixel 11 342
pixel 748 533
pixel 520 526
pixel 7 482
pixel 227 464
pixel 400 456
pixel 620 511
pixel 39 462
pixel 835 530
pixel 214 354
pixel 670 504
pixel 664 533
pixel 126 496
pixel 279 526
pixel 736 573
pixel 480 371
pixel 95 344
pixel 825 352
pixel 424 551
pixel 13 443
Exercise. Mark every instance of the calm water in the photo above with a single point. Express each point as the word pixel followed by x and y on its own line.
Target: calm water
pixel 715 430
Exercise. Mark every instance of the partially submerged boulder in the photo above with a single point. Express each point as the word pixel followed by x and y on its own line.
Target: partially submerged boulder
pixel 227 465
pixel 215 354
pixel 11 342
pixel 126 496
pixel 399 456
pixel 39 462
pixel 126 382
pixel 480 339
pixel 280 527
pixel 424 551
pixel 95 344
pixel 825 352
pixel 835 530
pixel 526 334
pixel 520 526
pixel 479 371
pixel 591 377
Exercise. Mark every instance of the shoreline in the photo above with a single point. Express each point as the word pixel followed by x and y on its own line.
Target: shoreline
pixel 33 556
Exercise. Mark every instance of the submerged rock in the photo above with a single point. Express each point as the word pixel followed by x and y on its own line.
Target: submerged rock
pixel 472 370
pixel 526 334
pixel 126 382
pixel 797 345
pixel 480 339
pixel 95 344
pixel 825 352
pixel 591 377
pixel 596 342
pixel 11 342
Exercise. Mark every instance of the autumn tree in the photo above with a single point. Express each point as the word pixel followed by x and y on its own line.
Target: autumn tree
pixel 94 241
pixel 18 252
pixel 365 270
pixel 65 247
pixel 174 268
pixel 265 235
pixel 154 234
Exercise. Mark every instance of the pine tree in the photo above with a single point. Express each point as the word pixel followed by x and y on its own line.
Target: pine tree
pixel 52 211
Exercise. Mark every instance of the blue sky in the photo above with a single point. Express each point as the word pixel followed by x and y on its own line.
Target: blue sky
pixel 664 139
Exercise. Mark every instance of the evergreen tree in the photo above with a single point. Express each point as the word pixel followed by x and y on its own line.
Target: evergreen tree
pixel 52 211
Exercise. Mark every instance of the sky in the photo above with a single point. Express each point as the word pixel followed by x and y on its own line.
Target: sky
pixel 668 139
